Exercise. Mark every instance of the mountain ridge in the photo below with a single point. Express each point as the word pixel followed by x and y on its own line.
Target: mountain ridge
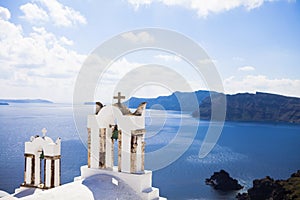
pixel 258 107
pixel 171 102
pixel 242 107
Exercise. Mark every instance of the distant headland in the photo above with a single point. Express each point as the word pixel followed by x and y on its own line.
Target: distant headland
pixel 259 107
pixel 3 104
pixel 7 101
pixel 243 107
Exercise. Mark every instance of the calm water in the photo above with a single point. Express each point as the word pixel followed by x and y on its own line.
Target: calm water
pixel 246 150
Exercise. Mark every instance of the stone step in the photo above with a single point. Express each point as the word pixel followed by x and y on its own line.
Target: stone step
pixel 151 193
pixel 77 178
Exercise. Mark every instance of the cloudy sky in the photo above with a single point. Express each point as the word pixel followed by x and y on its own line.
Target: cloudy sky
pixel 254 44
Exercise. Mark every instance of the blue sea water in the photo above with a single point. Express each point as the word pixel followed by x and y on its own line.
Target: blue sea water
pixel 246 150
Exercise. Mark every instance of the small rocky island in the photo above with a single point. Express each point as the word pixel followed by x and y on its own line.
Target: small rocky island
pixel 222 181
pixel 268 188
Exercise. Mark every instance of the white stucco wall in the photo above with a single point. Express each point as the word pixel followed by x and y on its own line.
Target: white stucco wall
pixel 48 174
pixel 37 170
pixel 57 173
pixel 28 171
pixel 95 140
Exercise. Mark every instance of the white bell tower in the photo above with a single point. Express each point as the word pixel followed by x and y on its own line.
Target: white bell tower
pixel 38 150
pixel 130 135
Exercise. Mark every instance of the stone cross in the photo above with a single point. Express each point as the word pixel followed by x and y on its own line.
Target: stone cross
pixel 119 97
pixel 44 131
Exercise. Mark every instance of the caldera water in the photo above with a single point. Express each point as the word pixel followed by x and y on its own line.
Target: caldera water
pixel 246 150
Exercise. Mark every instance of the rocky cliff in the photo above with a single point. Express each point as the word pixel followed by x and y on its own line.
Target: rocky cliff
pixel 222 181
pixel 268 188
pixel 259 107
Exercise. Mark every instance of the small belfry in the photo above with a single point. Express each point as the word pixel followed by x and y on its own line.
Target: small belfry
pixel 42 151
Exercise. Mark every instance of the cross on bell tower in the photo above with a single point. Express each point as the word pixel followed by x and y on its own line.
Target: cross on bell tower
pixel 119 97
pixel 44 131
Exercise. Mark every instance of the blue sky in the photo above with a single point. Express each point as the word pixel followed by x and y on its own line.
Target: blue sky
pixel 254 44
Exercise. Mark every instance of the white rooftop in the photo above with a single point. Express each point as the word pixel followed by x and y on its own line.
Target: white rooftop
pixel 101 186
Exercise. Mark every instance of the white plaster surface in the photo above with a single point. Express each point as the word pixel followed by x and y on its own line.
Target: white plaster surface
pixel 3 194
pixel 48 173
pixel 56 174
pixel 43 143
pixel 96 187
pixel 28 170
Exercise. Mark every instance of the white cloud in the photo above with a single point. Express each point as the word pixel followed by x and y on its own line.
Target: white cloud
pixel 63 15
pixel 262 83
pixel 141 37
pixel 53 11
pixel 137 3
pixel 33 13
pixel 66 41
pixel 4 13
pixel 168 58
pixel 204 7
pixel 36 62
pixel 246 68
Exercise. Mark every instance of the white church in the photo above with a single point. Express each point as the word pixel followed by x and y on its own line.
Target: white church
pixel 99 179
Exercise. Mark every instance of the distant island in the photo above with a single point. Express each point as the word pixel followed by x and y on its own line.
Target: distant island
pixel 89 103
pixel 259 107
pixel 244 107
pixel 24 101
pixel 3 104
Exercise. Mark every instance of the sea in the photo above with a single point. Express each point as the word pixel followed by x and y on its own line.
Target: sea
pixel 246 150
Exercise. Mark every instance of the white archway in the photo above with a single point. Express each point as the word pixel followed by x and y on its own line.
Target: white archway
pixel 38 149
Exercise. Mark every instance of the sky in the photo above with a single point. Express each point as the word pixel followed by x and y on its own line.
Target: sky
pixel 254 44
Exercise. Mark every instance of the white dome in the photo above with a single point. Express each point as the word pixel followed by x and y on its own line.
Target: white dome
pixel 3 193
